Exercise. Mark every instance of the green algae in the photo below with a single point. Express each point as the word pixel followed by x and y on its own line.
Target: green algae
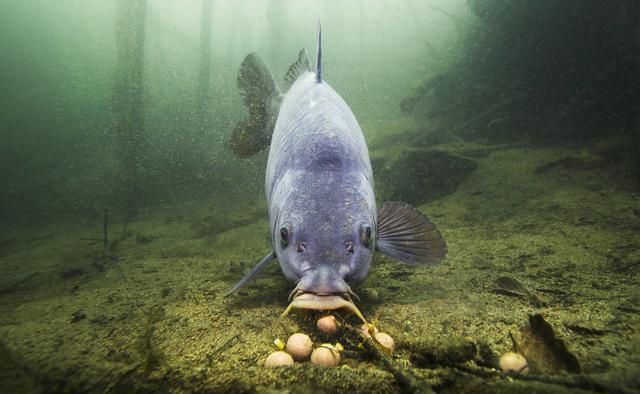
pixel 156 319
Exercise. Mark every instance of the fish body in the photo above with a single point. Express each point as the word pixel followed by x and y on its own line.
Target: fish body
pixel 319 187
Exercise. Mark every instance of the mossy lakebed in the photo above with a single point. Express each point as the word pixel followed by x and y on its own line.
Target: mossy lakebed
pixel 148 314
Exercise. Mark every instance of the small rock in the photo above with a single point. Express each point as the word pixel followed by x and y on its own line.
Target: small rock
pixel 78 315
pixel 419 175
pixel 278 359
pixel 141 239
pixel 370 296
pixel 71 273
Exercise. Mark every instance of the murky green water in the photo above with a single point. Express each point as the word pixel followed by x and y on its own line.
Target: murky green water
pixel 125 215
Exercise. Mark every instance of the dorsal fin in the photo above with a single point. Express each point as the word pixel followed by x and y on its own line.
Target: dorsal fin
pixel 298 67
pixel 319 55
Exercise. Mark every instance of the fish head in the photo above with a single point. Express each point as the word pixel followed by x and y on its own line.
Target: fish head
pixel 325 242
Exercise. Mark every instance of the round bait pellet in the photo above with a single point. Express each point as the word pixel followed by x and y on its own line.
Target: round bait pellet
pixel 385 341
pixel 325 354
pixel 278 359
pixel 513 363
pixel 299 346
pixel 328 324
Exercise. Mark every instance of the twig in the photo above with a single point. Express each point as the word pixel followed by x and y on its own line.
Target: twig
pixel 32 239
pixel 123 234
pixel 449 14
pixel 16 286
pixel 105 227
pixel 93 240
pixel 626 267
pixel 552 291
pixel 489 111
pixel 583 382
pixel 222 347
pixel 413 384
pixel 627 309
pixel 403 376
pixel 457 19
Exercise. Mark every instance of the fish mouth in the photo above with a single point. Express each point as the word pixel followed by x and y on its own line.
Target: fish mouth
pixel 323 302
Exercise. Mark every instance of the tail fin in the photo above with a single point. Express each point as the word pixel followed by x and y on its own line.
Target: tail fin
pixel 319 55
pixel 262 97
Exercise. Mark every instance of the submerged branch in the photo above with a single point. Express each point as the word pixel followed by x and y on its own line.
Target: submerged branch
pixel 488 112
pixel 19 285
pixel 409 382
pixel 583 382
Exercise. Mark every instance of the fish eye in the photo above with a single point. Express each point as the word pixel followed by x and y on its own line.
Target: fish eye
pixel 285 232
pixel 365 234
pixel 350 247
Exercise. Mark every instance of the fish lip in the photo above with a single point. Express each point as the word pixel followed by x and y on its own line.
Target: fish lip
pixel 322 302
pixel 319 301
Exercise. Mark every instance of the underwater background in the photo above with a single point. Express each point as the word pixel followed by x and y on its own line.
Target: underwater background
pixel 125 215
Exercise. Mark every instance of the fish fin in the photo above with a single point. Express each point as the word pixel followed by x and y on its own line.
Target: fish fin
pixel 406 234
pixel 254 272
pixel 319 55
pixel 299 67
pixel 262 97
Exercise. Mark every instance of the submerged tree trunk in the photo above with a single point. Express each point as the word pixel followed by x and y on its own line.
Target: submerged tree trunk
pixel 127 101
pixel 204 75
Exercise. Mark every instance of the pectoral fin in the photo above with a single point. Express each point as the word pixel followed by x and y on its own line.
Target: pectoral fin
pixel 254 272
pixel 262 98
pixel 406 234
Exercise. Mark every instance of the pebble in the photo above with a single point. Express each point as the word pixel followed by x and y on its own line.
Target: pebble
pixel 278 359
pixel 370 296
pixel 299 346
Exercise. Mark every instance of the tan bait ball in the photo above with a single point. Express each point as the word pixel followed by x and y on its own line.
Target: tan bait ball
pixel 385 341
pixel 299 346
pixel 513 363
pixel 325 354
pixel 328 324
pixel 278 359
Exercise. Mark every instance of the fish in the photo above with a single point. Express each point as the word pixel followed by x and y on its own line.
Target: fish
pixel 323 220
